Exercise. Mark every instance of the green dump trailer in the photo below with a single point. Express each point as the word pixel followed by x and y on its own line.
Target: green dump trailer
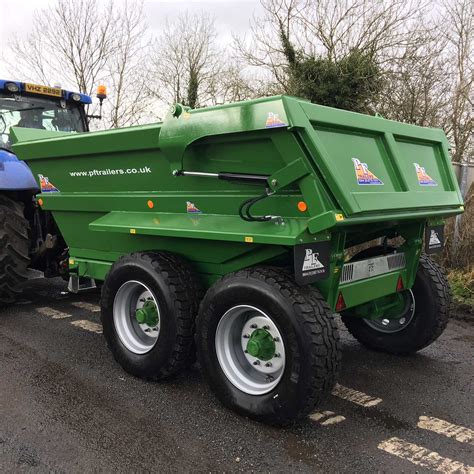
pixel 235 232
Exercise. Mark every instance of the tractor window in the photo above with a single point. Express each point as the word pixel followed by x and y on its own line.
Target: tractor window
pixel 38 112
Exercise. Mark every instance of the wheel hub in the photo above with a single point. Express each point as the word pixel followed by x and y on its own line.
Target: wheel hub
pixel 261 345
pixel 396 318
pixel 147 314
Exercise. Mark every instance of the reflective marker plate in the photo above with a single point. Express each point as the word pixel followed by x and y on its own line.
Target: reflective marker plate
pixel 371 267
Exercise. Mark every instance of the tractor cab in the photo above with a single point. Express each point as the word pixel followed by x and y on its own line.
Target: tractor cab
pixel 42 107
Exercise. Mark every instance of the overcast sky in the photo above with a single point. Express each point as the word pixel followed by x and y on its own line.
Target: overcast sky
pixel 231 16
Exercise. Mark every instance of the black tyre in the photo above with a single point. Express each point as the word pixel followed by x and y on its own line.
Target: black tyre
pixel 293 361
pixel 425 319
pixel 14 248
pixel 149 304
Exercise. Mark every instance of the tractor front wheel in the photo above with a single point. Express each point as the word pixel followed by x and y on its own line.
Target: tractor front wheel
pixel 268 348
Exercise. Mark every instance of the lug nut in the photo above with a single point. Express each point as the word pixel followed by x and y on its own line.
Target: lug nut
pixel 246 336
pixel 268 364
pixel 277 354
pixel 276 339
pixel 253 326
pixel 266 327
pixel 257 362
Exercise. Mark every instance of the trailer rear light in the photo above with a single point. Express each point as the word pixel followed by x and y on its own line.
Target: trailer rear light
pixel 340 303
pixel 400 285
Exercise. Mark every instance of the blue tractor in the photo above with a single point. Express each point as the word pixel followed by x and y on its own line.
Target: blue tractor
pixel 30 243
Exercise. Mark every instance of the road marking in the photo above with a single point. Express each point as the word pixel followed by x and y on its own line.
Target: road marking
pixel 53 313
pixel 88 326
pixel 93 308
pixel 355 396
pixel 327 416
pixel 423 457
pixel 459 433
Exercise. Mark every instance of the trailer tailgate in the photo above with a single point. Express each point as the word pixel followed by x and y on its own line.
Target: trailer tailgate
pixel 371 164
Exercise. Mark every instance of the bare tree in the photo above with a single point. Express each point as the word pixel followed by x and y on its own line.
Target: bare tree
pixel 70 41
pixel 81 43
pixel 262 48
pixel 416 88
pixel 130 101
pixel 186 61
pixel 328 29
pixel 459 30
pixel 233 84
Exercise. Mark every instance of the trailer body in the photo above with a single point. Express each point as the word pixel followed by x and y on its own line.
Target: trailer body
pixel 335 179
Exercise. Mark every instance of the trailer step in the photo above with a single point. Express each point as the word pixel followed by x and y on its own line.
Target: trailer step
pixel 78 284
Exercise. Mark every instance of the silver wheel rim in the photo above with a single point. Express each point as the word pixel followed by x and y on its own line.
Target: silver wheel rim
pixel 245 372
pixel 137 338
pixel 390 326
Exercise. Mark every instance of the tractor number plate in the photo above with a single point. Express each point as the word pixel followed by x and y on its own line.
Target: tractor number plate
pixel 434 239
pixel 311 262
pixel 43 90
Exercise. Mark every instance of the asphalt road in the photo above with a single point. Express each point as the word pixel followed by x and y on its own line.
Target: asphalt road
pixel 66 406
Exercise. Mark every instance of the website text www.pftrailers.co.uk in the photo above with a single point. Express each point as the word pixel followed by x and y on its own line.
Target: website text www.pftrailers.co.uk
pixel 110 172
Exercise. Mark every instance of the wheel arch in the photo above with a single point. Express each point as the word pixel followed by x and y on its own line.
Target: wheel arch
pixel 15 175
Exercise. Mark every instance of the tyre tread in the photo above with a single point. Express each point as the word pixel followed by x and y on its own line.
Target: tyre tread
pixel 14 246
pixel 314 314
pixel 186 290
pixel 441 292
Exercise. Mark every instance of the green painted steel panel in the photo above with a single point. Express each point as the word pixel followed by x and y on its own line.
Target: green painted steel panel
pixel 201 226
pixel 102 185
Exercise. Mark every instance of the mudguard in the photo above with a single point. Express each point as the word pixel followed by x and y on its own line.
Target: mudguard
pixel 15 174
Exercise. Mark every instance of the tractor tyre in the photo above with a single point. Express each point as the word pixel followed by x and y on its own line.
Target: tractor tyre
pixel 14 249
pixel 426 318
pixel 268 348
pixel 149 303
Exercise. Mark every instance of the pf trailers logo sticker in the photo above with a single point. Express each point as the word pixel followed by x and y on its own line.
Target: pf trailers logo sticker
pixel 273 121
pixel 191 208
pixel 434 239
pixel 364 175
pixel 46 186
pixel 423 178
pixel 311 262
